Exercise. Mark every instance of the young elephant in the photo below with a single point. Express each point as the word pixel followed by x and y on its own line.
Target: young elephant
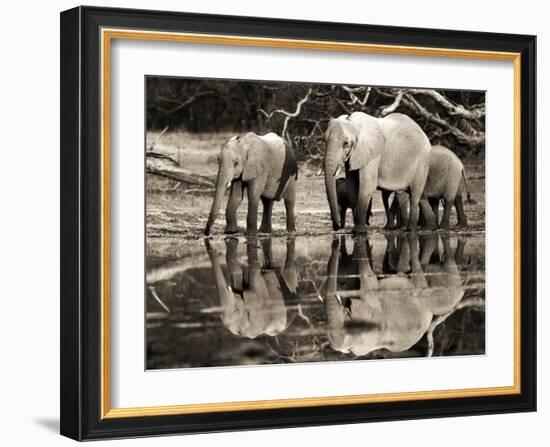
pixel 266 168
pixel 445 177
pixel 345 204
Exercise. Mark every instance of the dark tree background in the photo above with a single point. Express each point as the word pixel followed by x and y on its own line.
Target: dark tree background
pixel 300 112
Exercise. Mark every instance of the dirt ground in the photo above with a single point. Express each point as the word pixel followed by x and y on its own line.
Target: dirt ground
pixel 177 210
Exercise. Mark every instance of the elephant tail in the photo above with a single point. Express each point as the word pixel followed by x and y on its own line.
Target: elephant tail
pixel 468 195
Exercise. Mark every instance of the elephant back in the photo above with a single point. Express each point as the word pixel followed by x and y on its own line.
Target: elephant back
pixel 282 164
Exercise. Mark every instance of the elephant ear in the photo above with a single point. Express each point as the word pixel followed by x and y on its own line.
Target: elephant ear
pixel 255 160
pixel 370 140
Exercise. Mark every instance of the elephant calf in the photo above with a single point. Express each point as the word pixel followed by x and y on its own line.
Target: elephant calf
pixel 345 203
pixel 266 168
pixel 445 178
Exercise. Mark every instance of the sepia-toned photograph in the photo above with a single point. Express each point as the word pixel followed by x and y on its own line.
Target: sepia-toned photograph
pixel 298 222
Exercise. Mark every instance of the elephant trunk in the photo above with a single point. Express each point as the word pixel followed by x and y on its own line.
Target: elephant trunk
pixel 333 307
pixel 222 180
pixel 332 162
pixel 336 324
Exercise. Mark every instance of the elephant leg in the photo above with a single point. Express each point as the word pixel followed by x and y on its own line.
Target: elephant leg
pixel 235 199
pixel 390 224
pixel 265 227
pixel 427 248
pixel 387 264
pixel 434 203
pixel 446 218
pixel 343 210
pixel 254 192
pixel 418 278
pixel 462 221
pixel 459 252
pixel 447 252
pixel 369 212
pixel 253 261
pixel 291 271
pixel 368 179
pixel 352 187
pixel 290 200
pixel 268 253
pixel 436 256
pixel 367 278
pixel 429 218
pixel 403 263
pixel 369 253
pixel 360 215
pixel 233 266
pixel 413 216
pixel 343 248
pixel 419 199
pixel 333 309
pixel 403 216
pixel 396 211
pixel 421 219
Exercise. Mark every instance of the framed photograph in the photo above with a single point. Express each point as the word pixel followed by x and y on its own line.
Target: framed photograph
pixel 270 223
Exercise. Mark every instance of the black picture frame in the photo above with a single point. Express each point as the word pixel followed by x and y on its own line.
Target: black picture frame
pixel 81 164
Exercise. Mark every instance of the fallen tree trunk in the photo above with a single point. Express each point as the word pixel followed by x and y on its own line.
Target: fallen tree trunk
pixel 168 271
pixel 167 167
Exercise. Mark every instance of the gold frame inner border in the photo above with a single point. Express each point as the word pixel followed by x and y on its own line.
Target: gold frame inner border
pixel 107 36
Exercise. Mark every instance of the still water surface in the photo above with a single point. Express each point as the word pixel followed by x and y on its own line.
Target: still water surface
pixel 310 299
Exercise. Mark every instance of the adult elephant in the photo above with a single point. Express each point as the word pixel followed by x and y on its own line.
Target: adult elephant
pixel 266 168
pixel 390 153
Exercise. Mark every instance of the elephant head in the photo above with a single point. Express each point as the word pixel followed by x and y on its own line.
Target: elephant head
pixel 351 142
pixel 240 158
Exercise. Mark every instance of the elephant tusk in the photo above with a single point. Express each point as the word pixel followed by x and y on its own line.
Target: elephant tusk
pixel 338 169
pixel 228 184
pixel 229 288
pixel 339 299
pixel 320 298
pixel 346 158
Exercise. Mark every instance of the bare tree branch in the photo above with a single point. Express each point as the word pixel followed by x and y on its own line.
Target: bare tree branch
pixel 288 115
pixel 476 138
pixel 354 98
pixel 394 105
pixel 165 167
pixel 182 104
pixel 157 138
pixel 474 113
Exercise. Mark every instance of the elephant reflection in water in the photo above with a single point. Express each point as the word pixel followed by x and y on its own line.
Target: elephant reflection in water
pixel 254 301
pixel 394 311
